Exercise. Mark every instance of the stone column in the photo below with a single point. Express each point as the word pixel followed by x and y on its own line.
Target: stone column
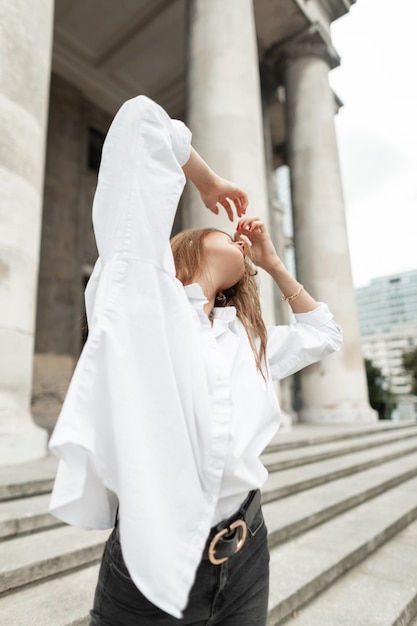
pixel 335 389
pixel 283 387
pixel 224 110
pixel 25 53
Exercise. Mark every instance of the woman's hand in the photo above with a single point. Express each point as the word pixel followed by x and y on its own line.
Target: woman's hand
pixel 253 232
pixel 214 190
pixel 226 194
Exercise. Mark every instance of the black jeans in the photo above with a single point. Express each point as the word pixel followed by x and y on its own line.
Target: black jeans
pixel 232 594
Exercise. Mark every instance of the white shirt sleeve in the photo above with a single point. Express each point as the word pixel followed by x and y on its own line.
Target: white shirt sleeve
pixel 140 182
pixel 291 348
pixel 136 418
pixel 139 186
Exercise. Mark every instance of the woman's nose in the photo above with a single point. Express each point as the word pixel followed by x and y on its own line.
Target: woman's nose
pixel 241 245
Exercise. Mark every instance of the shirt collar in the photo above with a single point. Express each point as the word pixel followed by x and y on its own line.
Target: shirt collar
pixel 223 315
pixel 195 294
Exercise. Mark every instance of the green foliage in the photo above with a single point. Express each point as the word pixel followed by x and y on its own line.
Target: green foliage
pixel 380 399
pixel 410 366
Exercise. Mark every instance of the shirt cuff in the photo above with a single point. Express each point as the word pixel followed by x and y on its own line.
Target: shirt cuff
pixel 181 141
pixel 317 317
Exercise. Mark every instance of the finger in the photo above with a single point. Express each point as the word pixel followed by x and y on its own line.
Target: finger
pixel 254 223
pixel 237 205
pixel 242 225
pixel 240 206
pixel 253 218
pixel 227 206
pixel 237 234
pixel 246 223
pixel 244 201
pixel 214 209
pixel 245 240
pixel 257 225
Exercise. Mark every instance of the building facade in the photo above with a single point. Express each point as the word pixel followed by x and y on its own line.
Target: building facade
pixel 388 322
pixel 250 78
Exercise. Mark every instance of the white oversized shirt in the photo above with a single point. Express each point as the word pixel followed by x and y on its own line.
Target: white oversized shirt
pixel 166 415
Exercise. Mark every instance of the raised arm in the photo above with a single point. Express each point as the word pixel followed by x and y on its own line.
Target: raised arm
pixel 213 189
pixel 140 182
pixel 264 255
pixel 315 335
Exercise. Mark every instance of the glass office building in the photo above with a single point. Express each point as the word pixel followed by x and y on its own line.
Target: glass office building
pixel 388 323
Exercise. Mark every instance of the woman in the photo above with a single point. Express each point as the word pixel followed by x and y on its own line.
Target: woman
pixel 172 403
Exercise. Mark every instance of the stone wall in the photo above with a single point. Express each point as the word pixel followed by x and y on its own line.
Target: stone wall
pixel 67 247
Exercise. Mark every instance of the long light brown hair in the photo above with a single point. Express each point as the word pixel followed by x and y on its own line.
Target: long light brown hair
pixel 189 257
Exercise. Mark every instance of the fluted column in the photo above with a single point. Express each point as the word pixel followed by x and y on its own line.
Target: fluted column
pixel 25 52
pixel 335 389
pixel 224 109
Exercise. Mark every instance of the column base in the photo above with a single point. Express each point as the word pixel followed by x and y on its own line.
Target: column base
pixel 339 415
pixel 21 440
pixel 285 422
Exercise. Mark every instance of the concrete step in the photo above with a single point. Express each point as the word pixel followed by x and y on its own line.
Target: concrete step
pixel 37 477
pixel 289 481
pixel 299 569
pixel 312 511
pixel 30 514
pixel 29 559
pixel 28 479
pixel 305 566
pixel 287 458
pixel 303 435
pixel 380 591
pixel 26 515
pixel 289 517
pixel 62 601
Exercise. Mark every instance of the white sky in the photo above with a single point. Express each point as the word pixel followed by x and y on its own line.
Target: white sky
pixel 377 134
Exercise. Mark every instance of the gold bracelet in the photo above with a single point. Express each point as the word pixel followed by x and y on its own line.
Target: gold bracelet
pixel 295 295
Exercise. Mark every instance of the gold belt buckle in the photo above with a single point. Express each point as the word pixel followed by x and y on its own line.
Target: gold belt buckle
pixel 240 523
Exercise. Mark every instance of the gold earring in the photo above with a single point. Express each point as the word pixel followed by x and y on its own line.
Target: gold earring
pixel 221 299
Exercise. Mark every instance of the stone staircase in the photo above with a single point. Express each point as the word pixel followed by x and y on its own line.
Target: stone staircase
pixel 340 505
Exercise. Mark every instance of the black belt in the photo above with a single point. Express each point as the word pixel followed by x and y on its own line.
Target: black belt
pixel 229 536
